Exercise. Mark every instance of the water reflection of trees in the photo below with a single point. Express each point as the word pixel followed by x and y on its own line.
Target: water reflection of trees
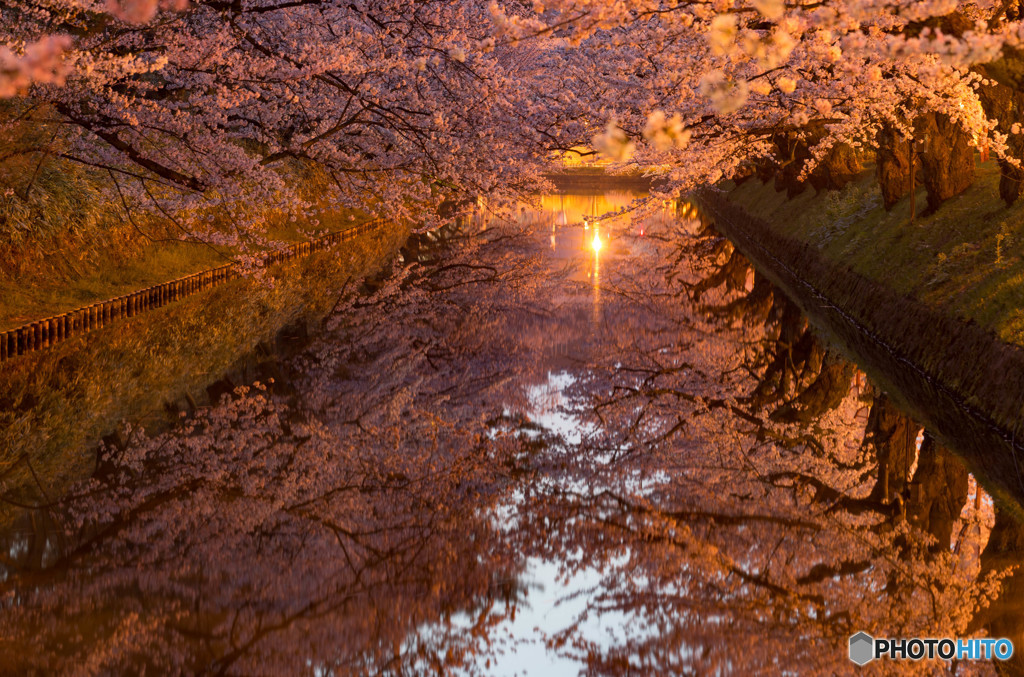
pixel 319 527
pixel 758 498
pixel 746 499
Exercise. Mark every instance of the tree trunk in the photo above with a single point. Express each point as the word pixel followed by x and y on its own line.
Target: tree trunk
pixel 894 437
pixel 1004 617
pixel 937 492
pixel 893 166
pixel 791 154
pixel 1005 104
pixel 839 167
pixel 947 158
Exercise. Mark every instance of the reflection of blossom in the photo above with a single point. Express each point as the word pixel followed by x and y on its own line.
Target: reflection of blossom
pixel 142 11
pixel 457 53
pixel 761 87
pixel 359 522
pixel 786 85
pixel 771 9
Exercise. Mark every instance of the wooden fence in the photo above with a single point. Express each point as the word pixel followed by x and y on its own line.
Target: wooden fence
pixel 42 334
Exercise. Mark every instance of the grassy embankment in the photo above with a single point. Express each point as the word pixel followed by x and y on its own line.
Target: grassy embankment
pixel 966 260
pixel 56 405
pixel 67 240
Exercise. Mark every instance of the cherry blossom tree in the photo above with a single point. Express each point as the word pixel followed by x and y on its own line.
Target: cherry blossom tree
pixel 704 90
pixel 213 116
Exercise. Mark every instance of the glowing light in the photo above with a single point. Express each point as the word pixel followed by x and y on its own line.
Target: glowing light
pixel 596 244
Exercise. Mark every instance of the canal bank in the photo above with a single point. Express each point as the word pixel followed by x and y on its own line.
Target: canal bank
pixel 954 377
pixel 58 405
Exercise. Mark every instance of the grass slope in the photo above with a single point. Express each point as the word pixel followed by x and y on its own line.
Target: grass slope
pixel 966 260
pixel 57 404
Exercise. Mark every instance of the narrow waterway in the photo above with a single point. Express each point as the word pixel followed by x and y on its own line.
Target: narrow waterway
pixel 543 445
